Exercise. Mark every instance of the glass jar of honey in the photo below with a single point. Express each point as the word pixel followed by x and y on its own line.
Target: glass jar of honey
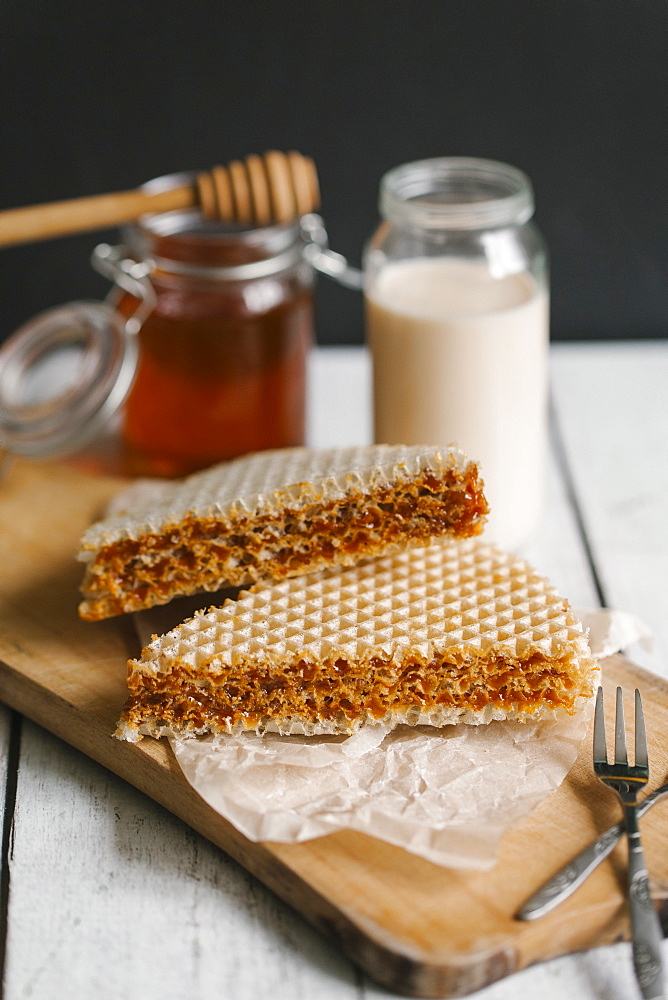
pixel 199 354
pixel 223 352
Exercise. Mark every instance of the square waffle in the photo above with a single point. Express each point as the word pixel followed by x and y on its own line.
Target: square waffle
pixel 273 515
pixel 444 633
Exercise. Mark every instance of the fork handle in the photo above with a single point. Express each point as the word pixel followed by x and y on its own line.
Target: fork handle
pixel 564 882
pixel 645 926
pixel 571 876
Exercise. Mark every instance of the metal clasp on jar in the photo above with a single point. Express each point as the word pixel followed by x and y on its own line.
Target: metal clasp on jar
pixel 320 257
pixel 129 275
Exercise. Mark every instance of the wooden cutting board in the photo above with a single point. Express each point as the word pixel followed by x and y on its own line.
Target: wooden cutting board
pixel 417 928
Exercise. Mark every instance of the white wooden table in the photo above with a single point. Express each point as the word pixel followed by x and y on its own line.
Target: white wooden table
pixel 107 896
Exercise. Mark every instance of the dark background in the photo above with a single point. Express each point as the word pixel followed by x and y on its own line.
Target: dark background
pixel 99 96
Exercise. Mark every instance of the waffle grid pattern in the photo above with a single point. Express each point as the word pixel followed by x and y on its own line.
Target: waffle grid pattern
pixel 463 598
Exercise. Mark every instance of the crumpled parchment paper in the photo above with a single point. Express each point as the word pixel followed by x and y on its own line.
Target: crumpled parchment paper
pixel 446 794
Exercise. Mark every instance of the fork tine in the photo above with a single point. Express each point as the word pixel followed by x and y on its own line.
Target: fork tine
pixel 600 749
pixel 641 738
pixel 620 736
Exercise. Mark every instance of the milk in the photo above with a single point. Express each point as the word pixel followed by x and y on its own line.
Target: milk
pixel 461 357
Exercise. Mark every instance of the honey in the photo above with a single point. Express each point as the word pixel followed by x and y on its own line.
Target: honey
pixel 223 354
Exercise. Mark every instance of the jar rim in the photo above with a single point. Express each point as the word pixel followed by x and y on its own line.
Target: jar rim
pixel 456 192
pixel 255 251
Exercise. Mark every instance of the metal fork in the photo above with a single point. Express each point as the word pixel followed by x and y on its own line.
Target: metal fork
pixel 569 878
pixel 626 781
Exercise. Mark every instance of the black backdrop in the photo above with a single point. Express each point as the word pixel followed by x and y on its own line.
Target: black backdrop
pixel 99 96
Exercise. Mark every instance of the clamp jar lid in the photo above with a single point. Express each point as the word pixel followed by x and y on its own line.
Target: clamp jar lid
pixel 62 377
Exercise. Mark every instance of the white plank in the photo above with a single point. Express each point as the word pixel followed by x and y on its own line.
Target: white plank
pixel 5 716
pixel 112 897
pixel 613 408
pixel 5 725
pixel 557 550
pixel 339 397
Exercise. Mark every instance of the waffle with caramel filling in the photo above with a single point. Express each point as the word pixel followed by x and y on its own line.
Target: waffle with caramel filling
pixel 437 634
pixel 274 515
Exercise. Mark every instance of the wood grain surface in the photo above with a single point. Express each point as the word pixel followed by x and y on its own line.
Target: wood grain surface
pixel 417 928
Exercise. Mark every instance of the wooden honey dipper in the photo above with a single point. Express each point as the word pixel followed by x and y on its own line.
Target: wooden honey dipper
pixel 258 191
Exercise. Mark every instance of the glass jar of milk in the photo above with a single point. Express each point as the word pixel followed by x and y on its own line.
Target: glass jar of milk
pixel 456 292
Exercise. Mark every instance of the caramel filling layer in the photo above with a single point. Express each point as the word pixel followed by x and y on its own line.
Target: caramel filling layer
pixel 342 691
